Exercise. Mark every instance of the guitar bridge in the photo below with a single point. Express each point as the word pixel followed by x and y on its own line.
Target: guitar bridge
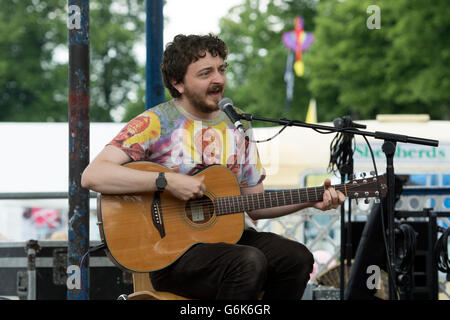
pixel 156 212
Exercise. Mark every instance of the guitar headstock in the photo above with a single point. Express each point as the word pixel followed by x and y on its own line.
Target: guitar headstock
pixel 367 187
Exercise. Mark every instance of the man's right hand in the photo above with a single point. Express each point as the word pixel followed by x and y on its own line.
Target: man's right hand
pixel 185 187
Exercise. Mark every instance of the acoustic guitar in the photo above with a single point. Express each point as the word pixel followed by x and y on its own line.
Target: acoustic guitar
pixel 148 231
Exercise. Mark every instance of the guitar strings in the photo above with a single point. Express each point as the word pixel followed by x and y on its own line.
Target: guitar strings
pixel 238 200
pixel 211 207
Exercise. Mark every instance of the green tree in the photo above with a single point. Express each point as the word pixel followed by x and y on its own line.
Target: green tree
pixel 257 57
pixel 349 69
pixel 346 63
pixel 34 82
pixel 116 76
pixel 400 68
pixel 31 85
pixel 419 57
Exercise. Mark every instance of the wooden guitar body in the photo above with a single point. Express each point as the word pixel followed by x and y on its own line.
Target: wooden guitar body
pixel 148 231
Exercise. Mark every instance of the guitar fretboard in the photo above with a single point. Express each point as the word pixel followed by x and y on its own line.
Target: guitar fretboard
pixel 269 199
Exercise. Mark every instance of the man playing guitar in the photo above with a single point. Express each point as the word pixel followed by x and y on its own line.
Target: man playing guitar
pixel 185 136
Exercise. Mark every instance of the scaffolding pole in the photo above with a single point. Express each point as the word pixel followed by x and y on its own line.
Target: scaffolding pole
pixel 154 93
pixel 78 197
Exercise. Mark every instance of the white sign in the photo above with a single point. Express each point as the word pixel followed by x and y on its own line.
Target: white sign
pixel 405 153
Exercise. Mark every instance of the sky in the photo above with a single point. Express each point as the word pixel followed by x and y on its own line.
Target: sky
pixel 194 16
pixel 190 17
pixel 181 16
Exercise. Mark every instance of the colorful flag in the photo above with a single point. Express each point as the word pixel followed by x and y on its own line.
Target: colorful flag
pixel 298 41
pixel 311 114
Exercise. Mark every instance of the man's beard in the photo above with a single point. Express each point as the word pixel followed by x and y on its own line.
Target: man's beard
pixel 199 102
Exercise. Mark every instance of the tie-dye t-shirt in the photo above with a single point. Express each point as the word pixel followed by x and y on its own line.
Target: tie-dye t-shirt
pixel 166 134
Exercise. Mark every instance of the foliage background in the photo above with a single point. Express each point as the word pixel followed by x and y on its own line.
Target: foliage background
pixel 401 68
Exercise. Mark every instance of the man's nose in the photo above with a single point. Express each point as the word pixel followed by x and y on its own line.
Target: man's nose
pixel 219 77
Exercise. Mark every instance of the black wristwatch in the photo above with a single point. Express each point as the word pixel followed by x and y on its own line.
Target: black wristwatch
pixel 161 182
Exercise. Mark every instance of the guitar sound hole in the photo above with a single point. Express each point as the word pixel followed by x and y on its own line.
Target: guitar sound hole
pixel 200 211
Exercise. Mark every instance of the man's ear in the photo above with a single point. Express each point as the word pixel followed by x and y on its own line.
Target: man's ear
pixel 178 85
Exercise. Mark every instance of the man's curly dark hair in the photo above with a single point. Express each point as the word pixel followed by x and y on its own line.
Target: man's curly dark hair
pixel 183 51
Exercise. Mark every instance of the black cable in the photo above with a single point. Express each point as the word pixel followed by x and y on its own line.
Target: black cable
pixel 406 243
pixel 388 258
pixel 290 123
pixel 336 160
pixel 341 159
pixel 341 151
pixel 90 250
pixel 441 251
pixel 406 250
pixel 266 140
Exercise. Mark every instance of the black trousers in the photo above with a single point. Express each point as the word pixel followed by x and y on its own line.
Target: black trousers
pixel 260 261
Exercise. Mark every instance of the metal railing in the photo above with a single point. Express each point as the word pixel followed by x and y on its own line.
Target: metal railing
pixel 323 234
pixel 38 195
pixel 318 230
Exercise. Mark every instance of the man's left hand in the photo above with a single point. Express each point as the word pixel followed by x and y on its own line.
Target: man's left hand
pixel 331 198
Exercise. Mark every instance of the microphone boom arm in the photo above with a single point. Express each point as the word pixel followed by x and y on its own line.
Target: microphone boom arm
pixel 377 134
pixel 389 146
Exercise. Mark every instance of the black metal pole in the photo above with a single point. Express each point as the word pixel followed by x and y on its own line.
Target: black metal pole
pixel 389 150
pixel 342 258
pixel 154 93
pixel 377 134
pixel 432 271
pixel 32 248
pixel 78 242
pixel 346 233
pixel 349 245
pixel 389 145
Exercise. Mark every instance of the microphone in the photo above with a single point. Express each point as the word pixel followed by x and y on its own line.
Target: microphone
pixel 346 122
pixel 226 105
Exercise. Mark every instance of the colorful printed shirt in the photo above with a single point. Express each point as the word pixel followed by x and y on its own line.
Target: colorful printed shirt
pixel 166 134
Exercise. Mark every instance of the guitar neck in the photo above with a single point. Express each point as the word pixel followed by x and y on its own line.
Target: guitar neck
pixel 270 199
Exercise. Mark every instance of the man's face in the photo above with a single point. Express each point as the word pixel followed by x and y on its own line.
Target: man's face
pixel 204 83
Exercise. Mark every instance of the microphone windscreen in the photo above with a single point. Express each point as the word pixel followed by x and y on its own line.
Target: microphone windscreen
pixel 224 101
pixel 338 123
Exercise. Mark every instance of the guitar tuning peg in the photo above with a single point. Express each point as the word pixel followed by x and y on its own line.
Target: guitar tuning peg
pixel 363 174
pixel 377 200
pixel 356 200
pixel 372 173
pixel 366 200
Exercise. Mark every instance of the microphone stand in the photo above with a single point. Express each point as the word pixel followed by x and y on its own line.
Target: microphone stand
pixel 346 230
pixel 389 146
pixel 342 157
